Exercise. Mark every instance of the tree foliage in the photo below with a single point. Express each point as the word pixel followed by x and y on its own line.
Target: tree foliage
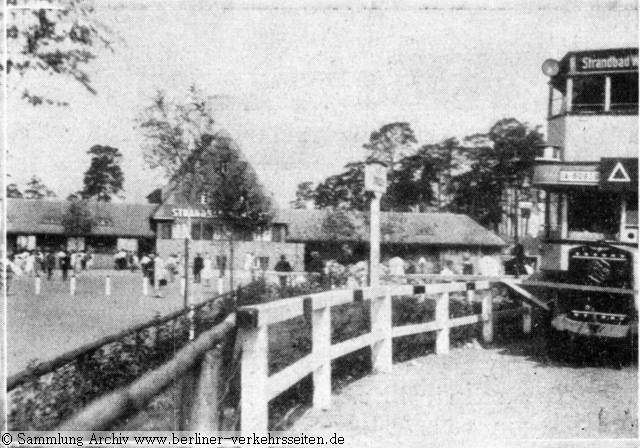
pixel 337 225
pixel 467 177
pixel 218 170
pixel 78 219
pixel 104 178
pixel 305 195
pixel 174 128
pixel 35 189
pixel 13 191
pixel 389 143
pixel 59 41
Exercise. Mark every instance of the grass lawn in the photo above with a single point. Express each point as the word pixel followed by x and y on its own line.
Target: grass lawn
pixel 40 327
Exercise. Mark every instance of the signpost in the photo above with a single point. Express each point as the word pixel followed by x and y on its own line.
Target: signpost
pixel 375 181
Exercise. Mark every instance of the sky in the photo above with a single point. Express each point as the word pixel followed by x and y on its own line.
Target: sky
pixel 301 88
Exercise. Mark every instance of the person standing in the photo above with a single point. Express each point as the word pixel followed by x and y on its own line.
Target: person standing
pixel 65 265
pixel 198 266
pixel 467 265
pixel 159 271
pixel 283 266
pixel 50 263
pixel 207 270
pixel 30 263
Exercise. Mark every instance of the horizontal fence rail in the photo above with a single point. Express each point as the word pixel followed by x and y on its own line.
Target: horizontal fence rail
pixel 253 321
pixel 46 367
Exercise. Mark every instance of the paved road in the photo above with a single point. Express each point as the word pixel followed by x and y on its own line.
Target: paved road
pixel 484 397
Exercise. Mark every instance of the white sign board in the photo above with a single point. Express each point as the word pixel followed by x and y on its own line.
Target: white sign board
pixel 580 176
pixel 375 178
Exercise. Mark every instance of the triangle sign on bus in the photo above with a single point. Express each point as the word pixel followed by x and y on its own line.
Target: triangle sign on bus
pixel 619 174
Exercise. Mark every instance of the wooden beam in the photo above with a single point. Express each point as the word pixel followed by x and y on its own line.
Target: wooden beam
pixel 527 295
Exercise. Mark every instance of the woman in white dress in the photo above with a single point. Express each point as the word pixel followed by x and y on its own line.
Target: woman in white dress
pixel 207 271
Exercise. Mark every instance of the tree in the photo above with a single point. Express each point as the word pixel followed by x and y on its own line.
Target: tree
pixel 305 195
pixel 59 42
pixel 337 225
pixel 104 178
pixel 344 190
pixel 500 159
pixel 13 192
pixel 390 143
pixel 173 128
pixel 77 220
pixel 35 189
pixel 217 169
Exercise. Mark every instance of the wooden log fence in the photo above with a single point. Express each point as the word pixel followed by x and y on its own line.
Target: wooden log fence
pixel 258 388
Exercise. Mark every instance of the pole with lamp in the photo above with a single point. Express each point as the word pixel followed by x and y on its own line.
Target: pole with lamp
pixel 375 182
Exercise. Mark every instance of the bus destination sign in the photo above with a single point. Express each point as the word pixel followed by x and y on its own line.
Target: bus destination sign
pixel 605 61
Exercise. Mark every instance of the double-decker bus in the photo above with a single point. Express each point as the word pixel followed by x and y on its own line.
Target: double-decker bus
pixel 588 172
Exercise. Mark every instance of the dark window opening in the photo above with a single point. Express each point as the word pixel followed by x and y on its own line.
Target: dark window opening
pixel 588 94
pixel 594 211
pixel 624 93
pixel 164 230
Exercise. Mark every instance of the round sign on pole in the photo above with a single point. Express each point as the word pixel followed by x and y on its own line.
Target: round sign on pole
pixel 375 177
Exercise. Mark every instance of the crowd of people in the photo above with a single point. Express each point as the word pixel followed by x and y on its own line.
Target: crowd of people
pixel 47 262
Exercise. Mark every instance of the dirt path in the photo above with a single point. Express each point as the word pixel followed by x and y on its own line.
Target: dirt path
pixel 483 397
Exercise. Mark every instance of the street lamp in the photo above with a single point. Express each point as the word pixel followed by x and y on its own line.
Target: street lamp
pixel 375 182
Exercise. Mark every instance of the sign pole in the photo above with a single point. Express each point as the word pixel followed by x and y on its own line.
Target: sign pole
pixel 374 250
pixel 375 182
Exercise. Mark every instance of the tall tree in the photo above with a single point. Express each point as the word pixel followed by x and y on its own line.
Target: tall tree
pixel 344 190
pixel 174 127
pixel 218 170
pixel 77 219
pixel 60 41
pixel 35 189
pixel 304 196
pixel 501 159
pixel 390 143
pixel 104 179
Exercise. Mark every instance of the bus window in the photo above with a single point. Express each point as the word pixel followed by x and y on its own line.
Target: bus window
pixel 624 93
pixel 554 217
pixel 588 94
pixel 594 212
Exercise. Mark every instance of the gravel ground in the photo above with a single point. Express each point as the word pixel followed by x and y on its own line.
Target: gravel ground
pixel 54 322
pixel 508 396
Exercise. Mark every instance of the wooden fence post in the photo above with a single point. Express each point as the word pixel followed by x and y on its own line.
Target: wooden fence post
pixel 442 319
pixel 381 350
pixel 107 286
pixel 37 285
pixel 254 405
pixel 321 344
pixel 487 315
pixel 527 319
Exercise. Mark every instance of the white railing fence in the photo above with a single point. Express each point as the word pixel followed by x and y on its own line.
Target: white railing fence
pixel 253 321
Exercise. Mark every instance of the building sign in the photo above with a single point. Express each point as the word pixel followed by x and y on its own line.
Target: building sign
pixel 191 213
pixel 619 174
pixel 605 61
pixel 579 177
pixel 375 177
